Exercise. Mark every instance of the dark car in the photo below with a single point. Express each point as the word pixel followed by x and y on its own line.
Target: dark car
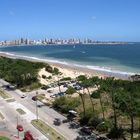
pixel 23 96
pixel 65 121
pixel 65 85
pixel 72 81
pixel 45 87
pixel 86 130
pixel 61 94
pixel 102 138
pixel 57 121
pixel 34 98
pixel 10 87
pixel 73 125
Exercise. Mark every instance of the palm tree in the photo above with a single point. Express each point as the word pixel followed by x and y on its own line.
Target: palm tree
pixel 83 102
pixel 56 72
pixel 110 87
pixel 95 81
pixel 86 83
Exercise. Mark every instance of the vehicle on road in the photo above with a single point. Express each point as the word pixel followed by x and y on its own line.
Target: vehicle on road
pixel 28 136
pixel 20 128
pixel 57 121
pixel 10 87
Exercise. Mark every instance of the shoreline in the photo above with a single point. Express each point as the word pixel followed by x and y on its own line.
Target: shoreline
pixel 87 70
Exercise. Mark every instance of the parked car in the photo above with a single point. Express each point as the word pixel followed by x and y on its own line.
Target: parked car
pixel 34 98
pixel 57 121
pixel 65 121
pixel 72 81
pixel 86 137
pixel 53 96
pixel 23 96
pixel 50 91
pixel 86 130
pixel 78 87
pixel 73 125
pixel 65 85
pixel 61 94
pixel 102 138
pixel 45 87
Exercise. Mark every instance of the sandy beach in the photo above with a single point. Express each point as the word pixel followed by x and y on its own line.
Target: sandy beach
pixel 71 70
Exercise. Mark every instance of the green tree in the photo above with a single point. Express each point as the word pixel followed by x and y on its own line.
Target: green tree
pixel 70 90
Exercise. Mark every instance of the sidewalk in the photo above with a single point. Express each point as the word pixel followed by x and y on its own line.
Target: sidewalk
pixel 6 134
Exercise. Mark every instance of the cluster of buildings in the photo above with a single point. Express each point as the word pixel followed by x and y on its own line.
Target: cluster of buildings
pixel 46 41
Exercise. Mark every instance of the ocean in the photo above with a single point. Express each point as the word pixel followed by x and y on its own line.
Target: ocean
pixel 119 58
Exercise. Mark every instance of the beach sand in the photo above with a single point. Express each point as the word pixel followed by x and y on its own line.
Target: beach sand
pixel 70 70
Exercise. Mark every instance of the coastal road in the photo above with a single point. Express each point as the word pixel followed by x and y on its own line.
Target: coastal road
pixel 46 114
pixel 11 118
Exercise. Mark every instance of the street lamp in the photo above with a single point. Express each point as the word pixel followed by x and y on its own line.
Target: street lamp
pixel 36 107
pixel 17 126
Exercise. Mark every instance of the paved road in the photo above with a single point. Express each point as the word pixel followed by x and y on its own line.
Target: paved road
pixel 45 113
pixel 11 117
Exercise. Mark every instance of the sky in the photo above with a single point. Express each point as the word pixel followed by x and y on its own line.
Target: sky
pixel 103 20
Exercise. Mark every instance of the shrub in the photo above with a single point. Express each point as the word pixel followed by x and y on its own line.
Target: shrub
pixel 94 121
pixel 115 133
pixel 81 78
pixel 70 90
pixel 43 76
pixel 65 79
pixel 48 68
pixel 103 126
pixel 84 119
pixel 56 70
pixel 64 104
pixel 95 95
pixel 19 72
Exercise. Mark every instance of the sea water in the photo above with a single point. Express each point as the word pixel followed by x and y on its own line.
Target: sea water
pixel 124 58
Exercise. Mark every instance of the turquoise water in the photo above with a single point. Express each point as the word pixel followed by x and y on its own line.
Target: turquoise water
pixel 124 57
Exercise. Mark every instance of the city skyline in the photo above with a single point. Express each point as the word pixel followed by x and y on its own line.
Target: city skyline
pixel 54 41
pixel 100 20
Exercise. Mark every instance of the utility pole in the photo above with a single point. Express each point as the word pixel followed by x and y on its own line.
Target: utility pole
pixel 17 129
pixel 36 107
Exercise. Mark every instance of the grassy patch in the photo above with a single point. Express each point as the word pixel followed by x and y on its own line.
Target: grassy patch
pixel 20 111
pixel 4 138
pixel 40 97
pixel 47 130
pixel 31 87
pixel 10 100
pixel 4 95
pixel 1 116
